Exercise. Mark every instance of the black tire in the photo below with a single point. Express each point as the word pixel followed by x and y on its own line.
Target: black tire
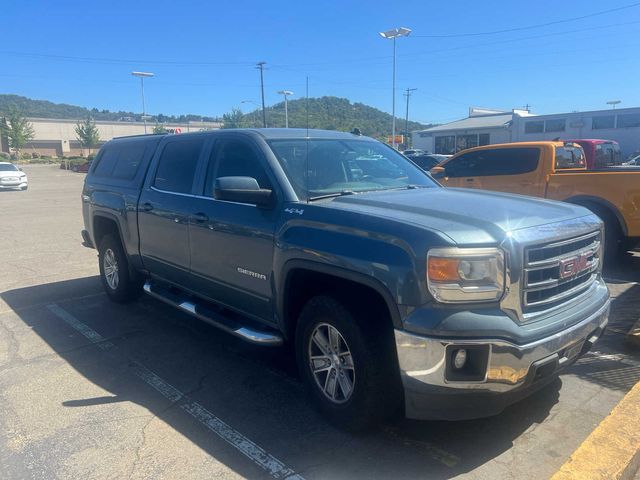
pixel 375 394
pixel 613 238
pixel 23 188
pixel 128 284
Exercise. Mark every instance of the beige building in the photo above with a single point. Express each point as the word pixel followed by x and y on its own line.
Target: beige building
pixel 57 137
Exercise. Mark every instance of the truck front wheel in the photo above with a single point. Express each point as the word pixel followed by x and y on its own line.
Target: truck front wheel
pixel 118 282
pixel 346 365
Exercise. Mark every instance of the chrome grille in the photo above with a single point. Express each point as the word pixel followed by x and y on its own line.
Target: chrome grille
pixel 558 271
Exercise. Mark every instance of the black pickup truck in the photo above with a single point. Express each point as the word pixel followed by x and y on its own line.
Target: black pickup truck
pixel 396 293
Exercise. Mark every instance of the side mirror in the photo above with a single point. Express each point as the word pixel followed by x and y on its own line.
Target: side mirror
pixel 242 190
pixel 438 172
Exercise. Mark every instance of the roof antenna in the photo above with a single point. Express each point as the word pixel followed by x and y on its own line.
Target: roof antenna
pixel 306 169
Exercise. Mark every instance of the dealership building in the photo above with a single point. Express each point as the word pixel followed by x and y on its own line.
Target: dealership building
pixel 57 137
pixel 485 126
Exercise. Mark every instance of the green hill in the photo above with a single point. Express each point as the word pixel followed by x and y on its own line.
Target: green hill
pixel 46 109
pixel 331 113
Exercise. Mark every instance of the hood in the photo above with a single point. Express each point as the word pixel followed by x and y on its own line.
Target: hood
pixel 12 173
pixel 468 217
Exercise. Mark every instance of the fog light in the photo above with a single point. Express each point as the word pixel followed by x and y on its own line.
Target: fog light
pixel 459 358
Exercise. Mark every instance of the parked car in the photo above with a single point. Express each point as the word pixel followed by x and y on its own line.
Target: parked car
pixel 82 168
pixel 415 151
pixel 12 177
pixel 558 171
pixel 392 290
pixel 600 153
pixel 428 161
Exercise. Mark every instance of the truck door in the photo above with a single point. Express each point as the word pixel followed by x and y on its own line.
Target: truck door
pixel 232 243
pixel 164 208
pixel 511 170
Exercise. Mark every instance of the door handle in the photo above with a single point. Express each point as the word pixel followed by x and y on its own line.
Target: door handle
pixel 200 217
pixel 147 207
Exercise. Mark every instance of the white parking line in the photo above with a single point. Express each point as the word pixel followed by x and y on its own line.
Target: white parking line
pixel 244 445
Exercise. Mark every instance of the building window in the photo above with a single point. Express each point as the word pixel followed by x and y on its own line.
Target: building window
pixel 600 123
pixel 534 127
pixel 445 145
pixel 466 141
pixel 556 125
pixel 483 139
pixel 629 120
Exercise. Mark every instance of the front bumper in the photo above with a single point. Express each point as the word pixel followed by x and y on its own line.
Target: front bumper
pixel 512 371
pixel 18 184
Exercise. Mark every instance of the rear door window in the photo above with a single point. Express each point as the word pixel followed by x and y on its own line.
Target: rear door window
pixel 107 162
pixel 177 165
pixel 500 161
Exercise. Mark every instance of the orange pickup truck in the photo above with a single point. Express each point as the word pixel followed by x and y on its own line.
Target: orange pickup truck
pixel 557 171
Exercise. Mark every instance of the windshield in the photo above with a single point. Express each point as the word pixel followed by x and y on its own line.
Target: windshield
pixel 7 167
pixel 341 165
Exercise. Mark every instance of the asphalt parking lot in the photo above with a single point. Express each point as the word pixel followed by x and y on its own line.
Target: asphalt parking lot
pixel 90 389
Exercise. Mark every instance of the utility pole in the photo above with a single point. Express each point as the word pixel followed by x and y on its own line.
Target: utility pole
pixel 406 118
pixel 260 66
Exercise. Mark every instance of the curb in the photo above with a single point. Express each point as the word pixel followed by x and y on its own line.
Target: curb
pixel 612 451
pixel 633 336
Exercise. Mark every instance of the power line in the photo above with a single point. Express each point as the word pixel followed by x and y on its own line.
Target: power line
pixel 530 27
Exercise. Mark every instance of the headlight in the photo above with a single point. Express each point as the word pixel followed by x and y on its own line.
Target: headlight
pixel 458 275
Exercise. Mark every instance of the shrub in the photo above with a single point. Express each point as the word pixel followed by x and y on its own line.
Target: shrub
pixel 38 161
pixel 35 155
pixel 90 157
pixel 25 156
pixel 4 156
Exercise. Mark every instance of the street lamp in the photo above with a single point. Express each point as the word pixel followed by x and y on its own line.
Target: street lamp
pixel 392 35
pixel 286 93
pixel 613 103
pixel 142 76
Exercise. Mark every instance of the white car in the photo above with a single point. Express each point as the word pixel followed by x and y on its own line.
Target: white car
pixel 12 177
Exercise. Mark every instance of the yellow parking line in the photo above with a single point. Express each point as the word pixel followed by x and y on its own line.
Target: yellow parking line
pixel 612 451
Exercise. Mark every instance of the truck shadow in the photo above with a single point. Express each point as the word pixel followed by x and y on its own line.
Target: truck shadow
pixel 256 391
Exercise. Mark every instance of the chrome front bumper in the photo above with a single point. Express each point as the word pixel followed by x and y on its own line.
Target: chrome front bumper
pixel 422 360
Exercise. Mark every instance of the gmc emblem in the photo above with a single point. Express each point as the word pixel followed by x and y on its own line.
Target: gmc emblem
pixel 573 266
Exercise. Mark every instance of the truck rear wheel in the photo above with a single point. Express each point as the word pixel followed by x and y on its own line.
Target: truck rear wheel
pixel 119 283
pixel 346 366
pixel 613 238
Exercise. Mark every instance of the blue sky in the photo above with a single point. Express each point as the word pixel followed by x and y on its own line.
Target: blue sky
pixel 203 53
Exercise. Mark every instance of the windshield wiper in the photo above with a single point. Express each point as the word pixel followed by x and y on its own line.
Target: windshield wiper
pixel 332 195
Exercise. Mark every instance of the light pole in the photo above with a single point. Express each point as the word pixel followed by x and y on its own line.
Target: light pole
pixel 406 118
pixel 142 76
pixel 286 93
pixel 613 103
pixel 260 66
pixel 392 35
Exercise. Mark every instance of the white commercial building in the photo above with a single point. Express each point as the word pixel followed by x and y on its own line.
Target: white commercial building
pixel 57 137
pixel 485 127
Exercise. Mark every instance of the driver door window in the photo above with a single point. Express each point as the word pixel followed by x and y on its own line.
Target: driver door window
pixel 234 158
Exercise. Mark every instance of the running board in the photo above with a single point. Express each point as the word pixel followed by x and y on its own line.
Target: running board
pixel 216 319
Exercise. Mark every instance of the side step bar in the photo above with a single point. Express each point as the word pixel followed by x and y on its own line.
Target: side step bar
pixel 216 319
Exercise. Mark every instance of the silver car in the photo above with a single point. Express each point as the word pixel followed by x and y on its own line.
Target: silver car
pixel 12 177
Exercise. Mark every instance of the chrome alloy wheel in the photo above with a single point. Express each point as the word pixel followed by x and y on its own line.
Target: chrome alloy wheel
pixel 110 265
pixel 331 363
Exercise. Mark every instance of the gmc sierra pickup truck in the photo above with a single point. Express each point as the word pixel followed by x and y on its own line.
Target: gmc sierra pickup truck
pixel 395 292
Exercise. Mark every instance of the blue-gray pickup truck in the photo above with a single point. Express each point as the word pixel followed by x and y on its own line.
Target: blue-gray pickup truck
pixel 396 293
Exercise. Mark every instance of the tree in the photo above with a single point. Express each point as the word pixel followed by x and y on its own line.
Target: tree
pixel 159 128
pixel 87 133
pixel 17 129
pixel 234 119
